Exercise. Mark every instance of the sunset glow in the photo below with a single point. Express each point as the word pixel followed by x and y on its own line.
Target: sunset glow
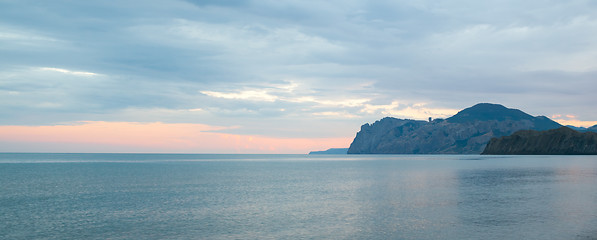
pixel 151 137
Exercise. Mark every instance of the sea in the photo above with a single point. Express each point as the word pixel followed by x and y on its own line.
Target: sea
pixel 220 196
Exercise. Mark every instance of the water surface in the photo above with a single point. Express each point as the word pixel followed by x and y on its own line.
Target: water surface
pixel 190 196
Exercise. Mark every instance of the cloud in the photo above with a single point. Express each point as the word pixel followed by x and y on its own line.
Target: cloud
pixel 354 108
pixel 256 95
pixel 410 111
pixel 335 114
pixel 271 66
pixel 244 45
pixel 340 102
pixel 23 38
pixel 65 71
pixel 289 93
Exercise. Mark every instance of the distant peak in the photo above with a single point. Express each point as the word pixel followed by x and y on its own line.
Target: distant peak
pixel 486 106
pixel 488 111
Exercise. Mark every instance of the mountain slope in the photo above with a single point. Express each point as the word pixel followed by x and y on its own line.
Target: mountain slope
pixel 496 112
pixel 488 111
pixel 550 142
pixel 467 132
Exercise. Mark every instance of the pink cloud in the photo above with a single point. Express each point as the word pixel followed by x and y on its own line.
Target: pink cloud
pixel 98 136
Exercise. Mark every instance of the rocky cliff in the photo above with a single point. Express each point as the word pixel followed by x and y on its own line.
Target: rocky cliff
pixel 561 141
pixel 467 132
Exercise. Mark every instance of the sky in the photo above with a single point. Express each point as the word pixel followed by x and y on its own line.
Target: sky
pixel 230 76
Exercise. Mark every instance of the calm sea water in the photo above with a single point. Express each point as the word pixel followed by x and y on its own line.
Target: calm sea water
pixel 178 196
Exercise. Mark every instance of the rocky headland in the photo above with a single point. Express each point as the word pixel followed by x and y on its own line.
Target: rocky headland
pixel 467 132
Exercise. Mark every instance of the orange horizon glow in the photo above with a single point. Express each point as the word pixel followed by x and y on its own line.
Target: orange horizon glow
pixel 572 120
pixel 155 137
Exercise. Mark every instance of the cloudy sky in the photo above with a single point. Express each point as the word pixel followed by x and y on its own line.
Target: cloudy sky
pixel 228 76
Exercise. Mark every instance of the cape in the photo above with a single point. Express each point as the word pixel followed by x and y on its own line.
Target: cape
pixel 467 132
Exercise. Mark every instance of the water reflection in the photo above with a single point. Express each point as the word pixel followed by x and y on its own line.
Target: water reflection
pixel 501 197
pixel 404 201
pixel 474 200
pixel 534 202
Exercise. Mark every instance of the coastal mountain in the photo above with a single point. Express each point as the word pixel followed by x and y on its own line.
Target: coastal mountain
pixel 561 141
pixel 331 151
pixel 467 132
pixel 495 112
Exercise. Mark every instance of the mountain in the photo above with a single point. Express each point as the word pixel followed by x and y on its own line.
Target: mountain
pixel 331 151
pixel 583 129
pixel 467 132
pixel 561 141
pixel 496 112
pixel 579 129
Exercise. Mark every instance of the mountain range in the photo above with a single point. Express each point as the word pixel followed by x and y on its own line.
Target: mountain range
pixel 467 132
pixel 583 129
